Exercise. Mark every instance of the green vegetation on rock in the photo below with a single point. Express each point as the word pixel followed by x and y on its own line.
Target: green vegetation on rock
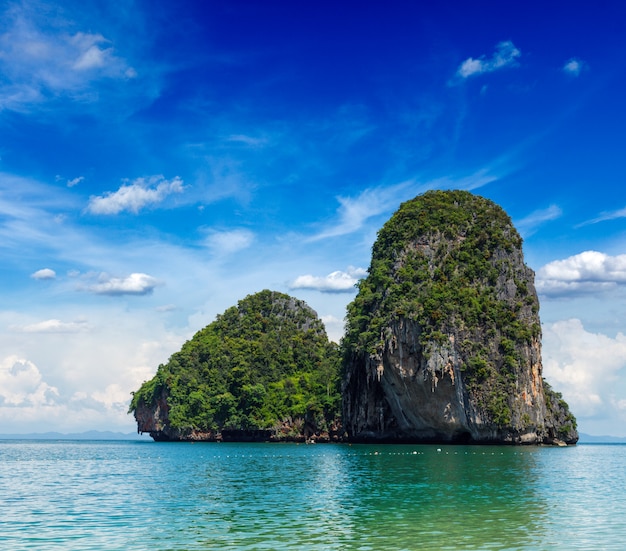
pixel 442 342
pixel 265 362
pixel 449 264
pixel 433 263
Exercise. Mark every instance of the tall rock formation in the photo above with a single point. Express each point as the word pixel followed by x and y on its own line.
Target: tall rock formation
pixel 443 341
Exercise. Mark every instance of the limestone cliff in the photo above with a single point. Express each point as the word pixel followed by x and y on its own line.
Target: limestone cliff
pixel 443 340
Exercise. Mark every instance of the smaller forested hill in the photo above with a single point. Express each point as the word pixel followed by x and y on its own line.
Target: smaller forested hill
pixel 264 369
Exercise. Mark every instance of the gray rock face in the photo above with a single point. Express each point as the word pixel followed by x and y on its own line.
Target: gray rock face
pixel 454 346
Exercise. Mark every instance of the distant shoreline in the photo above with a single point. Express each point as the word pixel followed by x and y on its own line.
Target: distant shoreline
pixel 121 436
pixel 87 435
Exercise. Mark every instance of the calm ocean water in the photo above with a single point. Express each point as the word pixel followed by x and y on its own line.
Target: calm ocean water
pixel 143 495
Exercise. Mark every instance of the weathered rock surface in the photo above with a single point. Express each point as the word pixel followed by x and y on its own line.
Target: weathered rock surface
pixel 443 340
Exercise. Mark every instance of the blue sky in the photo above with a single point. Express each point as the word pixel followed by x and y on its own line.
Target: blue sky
pixel 160 161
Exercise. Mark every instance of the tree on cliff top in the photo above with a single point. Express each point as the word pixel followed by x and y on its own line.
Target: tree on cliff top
pixel 263 361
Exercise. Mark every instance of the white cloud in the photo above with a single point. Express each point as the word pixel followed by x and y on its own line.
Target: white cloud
pixel 335 282
pixel 529 224
pixel 506 55
pixel 135 196
pixel 21 384
pixel 586 367
pixel 228 242
pixel 167 308
pixel 585 272
pixel 53 326
pixel 469 183
pixel 75 181
pixel 81 381
pixel 90 52
pixel 134 284
pixel 44 273
pixel 249 141
pixel 335 327
pixel 574 67
pixel 40 60
pixel 355 211
pixel 611 215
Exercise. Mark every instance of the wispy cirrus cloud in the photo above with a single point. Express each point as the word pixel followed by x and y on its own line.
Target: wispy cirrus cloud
pixel 335 282
pixel 354 212
pixel 589 271
pixel 134 284
pixel 133 197
pixel 529 224
pixel 230 241
pixel 505 55
pixel 474 181
pixel 604 217
pixel 248 141
pixel 40 60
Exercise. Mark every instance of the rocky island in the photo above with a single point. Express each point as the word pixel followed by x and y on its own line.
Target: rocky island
pixel 263 370
pixel 442 344
pixel 443 341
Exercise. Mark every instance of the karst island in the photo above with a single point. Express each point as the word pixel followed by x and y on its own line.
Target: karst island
pixel 442 345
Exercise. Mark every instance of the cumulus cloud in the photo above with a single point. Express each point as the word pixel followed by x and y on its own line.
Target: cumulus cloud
pixel 44 273
pixel 92 372
pixel 506 55
pixel 21 384
pixel 585 367
pixel 574 67
pixel 134 284
pixel 53 326
pixel 335 282
pixel 135 196
pixel 585 272
pixel 228 242
pixel 529 224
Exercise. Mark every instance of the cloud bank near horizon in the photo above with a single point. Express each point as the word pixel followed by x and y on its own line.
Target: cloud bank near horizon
pixel 586 272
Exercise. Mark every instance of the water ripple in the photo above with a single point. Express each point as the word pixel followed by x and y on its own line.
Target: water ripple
pixel 139 495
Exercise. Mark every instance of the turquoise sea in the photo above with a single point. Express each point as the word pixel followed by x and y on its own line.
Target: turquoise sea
pixel 156 496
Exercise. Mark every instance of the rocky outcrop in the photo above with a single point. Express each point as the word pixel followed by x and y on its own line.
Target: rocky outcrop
pixel 153 418
pixel 264 370
pixel 443 340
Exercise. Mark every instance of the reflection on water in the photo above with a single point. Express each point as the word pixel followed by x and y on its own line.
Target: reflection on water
pixel 139 495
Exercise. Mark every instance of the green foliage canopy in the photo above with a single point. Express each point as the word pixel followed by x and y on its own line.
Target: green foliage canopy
pixel 433 262
pixel 264 361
